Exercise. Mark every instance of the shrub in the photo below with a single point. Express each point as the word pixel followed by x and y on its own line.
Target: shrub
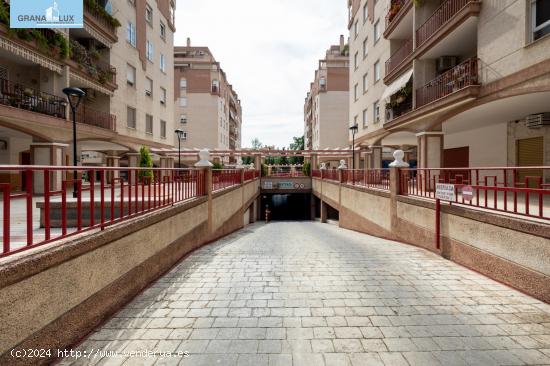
pixel 145 161
pixel 306 169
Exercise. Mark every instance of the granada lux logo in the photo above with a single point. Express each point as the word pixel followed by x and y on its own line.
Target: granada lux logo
pixel 52 14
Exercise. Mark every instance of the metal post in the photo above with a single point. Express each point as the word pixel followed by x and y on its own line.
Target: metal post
pixel 438 224
pixel 75 174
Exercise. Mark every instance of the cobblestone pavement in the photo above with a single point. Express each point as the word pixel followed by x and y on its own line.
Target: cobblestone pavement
pixel 304 293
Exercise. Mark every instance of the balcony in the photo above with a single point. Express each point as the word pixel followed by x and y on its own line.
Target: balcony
pixel 46 42
pixel 398 60
pixel 22 97
pixel 399 9
pixel 92 117
pixel 450 82
pixel 87 62
pixel 445 19
pixel 102 21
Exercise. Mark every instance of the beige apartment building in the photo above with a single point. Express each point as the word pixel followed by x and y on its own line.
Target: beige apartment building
pixel 326 112
pixel 111 58
pixel 455 83
pixel 206 107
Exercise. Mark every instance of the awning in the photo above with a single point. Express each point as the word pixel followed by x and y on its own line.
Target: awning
pixel 397 84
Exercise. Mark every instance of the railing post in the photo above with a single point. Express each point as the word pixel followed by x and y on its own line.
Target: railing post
pixel 208 191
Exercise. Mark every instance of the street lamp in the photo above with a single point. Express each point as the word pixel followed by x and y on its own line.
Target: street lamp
pixel 74 95
pixel 353 130
pixel 180 134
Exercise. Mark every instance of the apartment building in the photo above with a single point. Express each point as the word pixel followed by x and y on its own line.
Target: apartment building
pixel 455 83
pixel 326 105
pixel 122 44
pixel 206 107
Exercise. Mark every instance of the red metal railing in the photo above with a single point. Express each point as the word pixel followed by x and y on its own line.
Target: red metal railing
pixel 286 172
pixel 23 97
pixel 330 174
pixel 316 173
pixel 251 175
pixel 399 56
pixel 371 178
pixel 96 118
pixel 47 211
pixel 459 77
pixel 225 178
pixel 514 190
pixel 441 16
pixel 395 8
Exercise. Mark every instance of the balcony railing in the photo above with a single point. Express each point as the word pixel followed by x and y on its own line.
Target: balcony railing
pixel 96 118
pixel 399 110
pixel 396 7
pixel 457 78
pixel 441 16
pixel 107 22
pixel 87 61
pixel 20 96
pixel 399 56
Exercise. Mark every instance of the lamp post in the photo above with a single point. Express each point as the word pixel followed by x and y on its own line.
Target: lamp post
pixel 180 134
pixel 74 96
pixel 353 130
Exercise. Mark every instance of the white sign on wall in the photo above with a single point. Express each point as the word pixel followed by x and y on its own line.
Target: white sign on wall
pixel 445 192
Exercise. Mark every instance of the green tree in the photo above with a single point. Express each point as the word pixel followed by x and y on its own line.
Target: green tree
pixel 297 144
pixel 306 169
pixel 145 161
pixel 256 143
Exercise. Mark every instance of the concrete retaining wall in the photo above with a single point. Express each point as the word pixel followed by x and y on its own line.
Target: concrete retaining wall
pixel 511 250
pixel 52 296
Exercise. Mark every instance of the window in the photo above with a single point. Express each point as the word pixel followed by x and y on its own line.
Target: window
pixel 162 63
pixel 162 31
pixel 183 101
pixel 149 51
pixel 162 96
pixel 365 118
pixel 365 47
pixel 130 117
pixel 377 31
pixel 540 18
pixel 356 29
pixel 355 120
pixel 356 91
pixel 376 111
pixel 376 71
pixel 149 14
pixel 149 124
pixel 130 75
pixel 365 12
pixel 148 86
pixel 365 83
pixel 322 83
pixel 215 86
pixel 131 33
pixel 183 119
pixel 172 12
pixel 162 129
pixel 183 83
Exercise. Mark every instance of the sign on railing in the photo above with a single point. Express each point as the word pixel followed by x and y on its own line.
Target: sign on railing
pixel 445 192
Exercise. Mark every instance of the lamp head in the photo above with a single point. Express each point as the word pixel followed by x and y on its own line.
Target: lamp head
pixel 74 95
pixel 179 133
pixel 354 128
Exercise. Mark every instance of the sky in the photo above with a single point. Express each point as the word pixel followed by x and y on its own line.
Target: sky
pixel 269 50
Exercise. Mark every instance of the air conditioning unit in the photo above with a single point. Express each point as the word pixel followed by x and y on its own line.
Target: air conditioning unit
pixel 537 120
pixel 445 63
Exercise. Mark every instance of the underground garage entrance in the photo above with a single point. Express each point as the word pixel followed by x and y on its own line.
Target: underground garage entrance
pixel 287 206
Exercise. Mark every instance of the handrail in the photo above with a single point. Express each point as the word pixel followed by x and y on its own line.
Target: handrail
pixel 440 16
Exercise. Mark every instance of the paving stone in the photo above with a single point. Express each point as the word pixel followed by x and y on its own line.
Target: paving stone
pixel 312 294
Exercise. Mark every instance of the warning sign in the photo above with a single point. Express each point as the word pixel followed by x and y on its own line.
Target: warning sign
pixel 467 193
pixel 445 192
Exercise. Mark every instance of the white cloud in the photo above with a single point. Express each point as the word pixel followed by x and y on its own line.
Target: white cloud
pixel 269 50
